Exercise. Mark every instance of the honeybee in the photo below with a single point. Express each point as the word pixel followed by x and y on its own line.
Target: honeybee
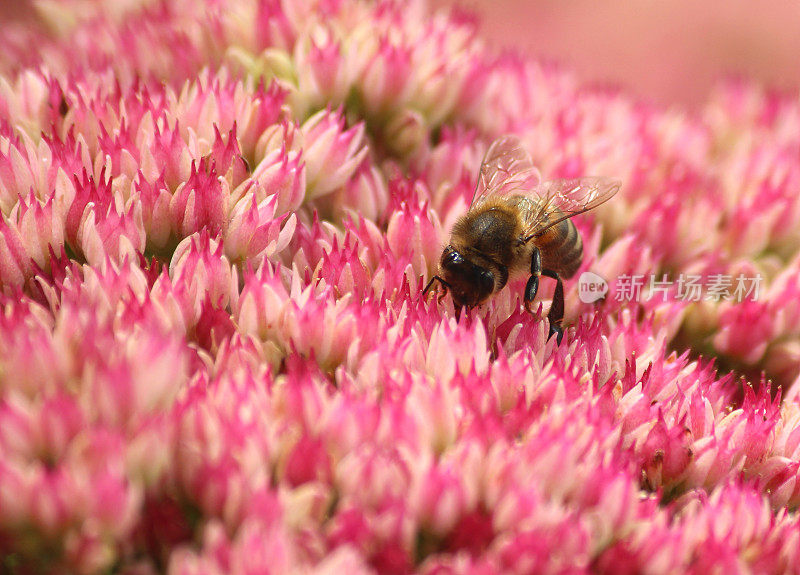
pixel 516 225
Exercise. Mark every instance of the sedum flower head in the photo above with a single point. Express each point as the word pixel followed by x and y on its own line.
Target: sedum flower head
pixel 217 356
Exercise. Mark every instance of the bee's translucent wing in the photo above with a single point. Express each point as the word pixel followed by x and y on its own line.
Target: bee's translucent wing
pixel 506 170
pixel 558 200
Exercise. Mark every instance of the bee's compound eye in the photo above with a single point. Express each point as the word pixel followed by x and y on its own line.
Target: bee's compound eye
pixel 452 257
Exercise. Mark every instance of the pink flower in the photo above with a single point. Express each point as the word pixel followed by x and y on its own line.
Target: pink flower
pixel 385 75
pixel 201 202
pixel 111 235
pixel 39 227
pixel 283 175
pixel 342 269
pixel 16 265
pixel 745 331
pixel 333 332
pixel 374 520
pixel 222 447
pixel 332 153
pixel 262 304
pixel 201 273
pixel 325 67
pixel 414 233
pixel 257 547
pixel 365 195
pixel 254 233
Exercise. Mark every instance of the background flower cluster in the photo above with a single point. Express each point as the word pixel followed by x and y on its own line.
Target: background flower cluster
pixel 215 356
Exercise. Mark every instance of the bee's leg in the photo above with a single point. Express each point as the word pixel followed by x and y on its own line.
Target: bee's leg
pixel 556 313
pixel 533 282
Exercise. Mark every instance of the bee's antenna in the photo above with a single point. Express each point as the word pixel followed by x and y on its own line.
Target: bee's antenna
pixel 430 284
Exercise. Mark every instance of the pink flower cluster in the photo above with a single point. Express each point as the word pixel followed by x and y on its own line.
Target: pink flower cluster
pixel 215 352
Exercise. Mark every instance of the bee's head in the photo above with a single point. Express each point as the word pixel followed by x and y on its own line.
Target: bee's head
pixel 469 283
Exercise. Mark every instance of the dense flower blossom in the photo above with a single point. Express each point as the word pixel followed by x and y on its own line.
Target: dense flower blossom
pixel 216 355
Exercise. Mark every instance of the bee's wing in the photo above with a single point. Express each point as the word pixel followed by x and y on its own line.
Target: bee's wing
pixel 558 200
pixel 506 170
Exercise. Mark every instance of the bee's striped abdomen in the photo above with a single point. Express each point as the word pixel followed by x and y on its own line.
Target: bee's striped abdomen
pixel 561 247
